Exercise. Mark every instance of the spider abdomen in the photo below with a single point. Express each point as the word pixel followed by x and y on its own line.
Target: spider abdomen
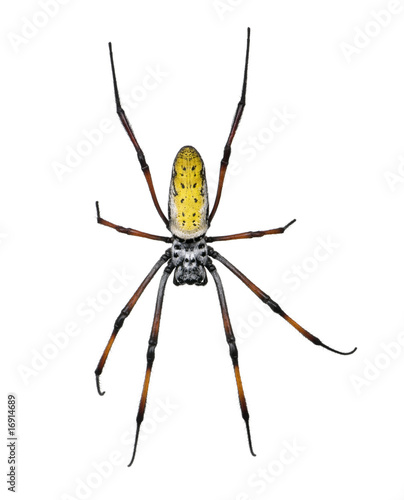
pixel 188 199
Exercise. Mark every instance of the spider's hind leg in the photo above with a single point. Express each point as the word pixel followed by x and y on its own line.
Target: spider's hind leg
pixel 140 155
pixel 236 120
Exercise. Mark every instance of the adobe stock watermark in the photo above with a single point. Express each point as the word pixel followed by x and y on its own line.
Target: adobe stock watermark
pixel 224 7
pixel 293 278
pixel 395 178
pixel 3 238
pixel 31 26
pixel 92 138
pixel 277 123
pixel 373 368
pixel 87 310
pixel 298 273
pixel 157 413
pixel 234 169
pixel 251 146
pixel 269 472
pixel 364 35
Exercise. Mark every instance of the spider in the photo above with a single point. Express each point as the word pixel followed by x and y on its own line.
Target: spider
pixel 189 256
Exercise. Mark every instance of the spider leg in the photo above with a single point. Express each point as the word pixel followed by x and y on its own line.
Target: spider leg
pixel 249 234
pixel 128 230
pixel 232 348
pixel 271 303
pixel 150 352
pixel 128 128
pixel 124 314
pixel 236 121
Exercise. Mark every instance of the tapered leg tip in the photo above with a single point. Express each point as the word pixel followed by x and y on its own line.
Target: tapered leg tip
pixel 133 456
pixel 337 352
pixel 249 436
pixel 250 443
pixel 97 381
pixel 135 445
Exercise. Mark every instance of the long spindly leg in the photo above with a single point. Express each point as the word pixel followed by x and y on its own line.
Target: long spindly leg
pixel 271 303
pixel 249 234
pixel 232 348
pixel 128 230
pixel 150 352
pixel 140 154
pixel 124 314
pixel 236 121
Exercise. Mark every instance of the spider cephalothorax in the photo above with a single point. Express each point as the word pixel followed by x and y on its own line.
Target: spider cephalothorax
pixel 188 220
pixel 190 258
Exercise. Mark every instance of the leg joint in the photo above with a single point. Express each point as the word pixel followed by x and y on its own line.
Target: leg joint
pixel 142 160
pixel 226 155
pixel 233 351
pixel 273 305
pixel 170 266
pixel 151 352
pixel 212 252
pixel 211 267
pixel 121 318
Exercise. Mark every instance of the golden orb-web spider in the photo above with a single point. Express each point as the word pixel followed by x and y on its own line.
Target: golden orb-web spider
pixel 189 256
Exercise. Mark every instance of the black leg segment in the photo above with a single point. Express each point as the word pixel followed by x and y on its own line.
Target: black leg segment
pixel 128 128
pixel 151 352
pixel 232 349
pixel 271 303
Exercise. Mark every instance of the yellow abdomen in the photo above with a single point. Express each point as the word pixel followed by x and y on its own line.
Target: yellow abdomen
pixel 188 199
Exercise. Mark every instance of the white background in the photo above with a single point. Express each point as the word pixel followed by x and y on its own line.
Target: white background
pixel 335 166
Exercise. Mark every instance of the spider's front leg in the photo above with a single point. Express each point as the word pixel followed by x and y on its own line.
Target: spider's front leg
pixel 271 303
pixel 151 352
pixel 231 340
pixel 124 314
